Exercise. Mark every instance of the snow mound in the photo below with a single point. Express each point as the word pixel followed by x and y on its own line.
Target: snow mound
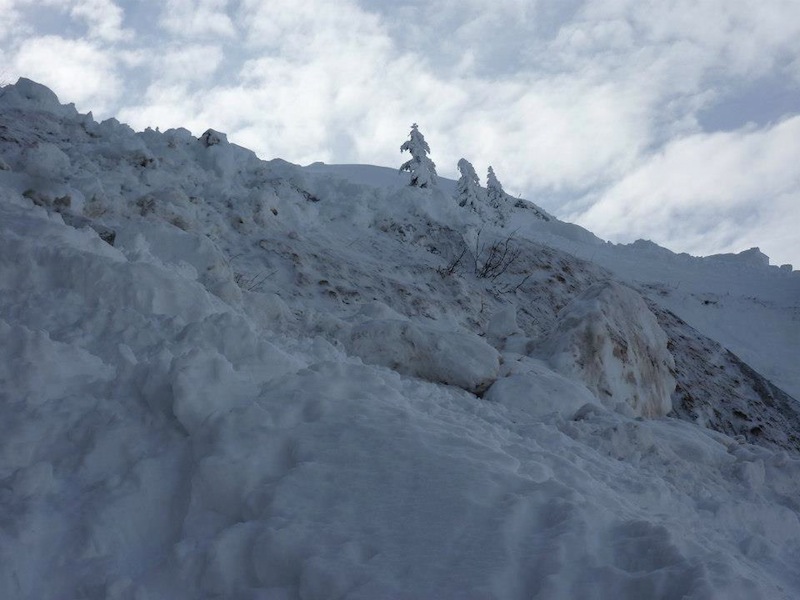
pixel 46 161
pixel 451 357
pixel 536 390
pixel 193 256
pixel 608 338
pixel 30 95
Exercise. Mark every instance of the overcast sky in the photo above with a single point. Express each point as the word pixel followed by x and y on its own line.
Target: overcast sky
pixel 672 120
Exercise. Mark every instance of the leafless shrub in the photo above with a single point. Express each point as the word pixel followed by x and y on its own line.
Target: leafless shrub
pixel 451 267
pixel 512 288
pixel 493 261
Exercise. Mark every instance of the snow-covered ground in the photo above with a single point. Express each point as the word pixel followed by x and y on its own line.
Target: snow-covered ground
pixel 223 377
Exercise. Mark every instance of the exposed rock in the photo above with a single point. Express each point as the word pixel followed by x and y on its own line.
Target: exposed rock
pixel 718 390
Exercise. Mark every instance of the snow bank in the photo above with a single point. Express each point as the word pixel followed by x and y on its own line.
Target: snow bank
pixel 453 358
pixel 608 338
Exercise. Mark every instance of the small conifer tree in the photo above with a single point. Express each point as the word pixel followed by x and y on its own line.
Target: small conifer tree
pixel 494 189
pixel 422 168
pixel 468 187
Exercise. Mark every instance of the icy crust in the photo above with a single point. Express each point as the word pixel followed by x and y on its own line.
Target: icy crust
pixel 608 338
pixel 258 388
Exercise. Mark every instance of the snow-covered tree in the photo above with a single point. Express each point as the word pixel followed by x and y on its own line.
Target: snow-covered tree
pixel 468 188
pixel 494 189
pixel 422 168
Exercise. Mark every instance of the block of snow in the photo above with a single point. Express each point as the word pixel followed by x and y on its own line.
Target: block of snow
pixel 58 369
pixel 203 383
pixel 609 339
pixel 46 161
pixel 193 256
pixel 455 358
pixel 503 323
pixel 534 389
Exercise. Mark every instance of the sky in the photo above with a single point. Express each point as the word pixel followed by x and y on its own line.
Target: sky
pixel 676 121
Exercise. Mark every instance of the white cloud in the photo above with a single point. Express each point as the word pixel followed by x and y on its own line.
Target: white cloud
pixel 197 19
pixel 165 106
pixel 190 62
pixel 318 94
pixel 10 20
pixel 303 84
pixel 711 193
pixel 103 18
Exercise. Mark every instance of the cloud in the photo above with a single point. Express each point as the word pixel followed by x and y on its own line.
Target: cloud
pixel 572 101
pixel 103 18
pixel 10 21
pixel 190 62
pixel 197 19
pixel 306 92
pixel 302 86
pixel 708 193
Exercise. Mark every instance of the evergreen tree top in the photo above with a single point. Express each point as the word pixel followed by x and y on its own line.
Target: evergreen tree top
pixel 422 168
pixel 492 182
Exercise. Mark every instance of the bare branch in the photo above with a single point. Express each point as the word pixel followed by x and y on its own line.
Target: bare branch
pixel 493 262
pixel 451 267
pixel 252 283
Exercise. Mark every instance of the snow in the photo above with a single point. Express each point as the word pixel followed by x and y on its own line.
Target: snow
pixel 421 168
pixel 461 359
pixel 222 377
pixel 533 388
pixel 608 338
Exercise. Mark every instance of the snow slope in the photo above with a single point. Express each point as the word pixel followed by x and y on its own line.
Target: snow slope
pixel 751 307
pixel 228 378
